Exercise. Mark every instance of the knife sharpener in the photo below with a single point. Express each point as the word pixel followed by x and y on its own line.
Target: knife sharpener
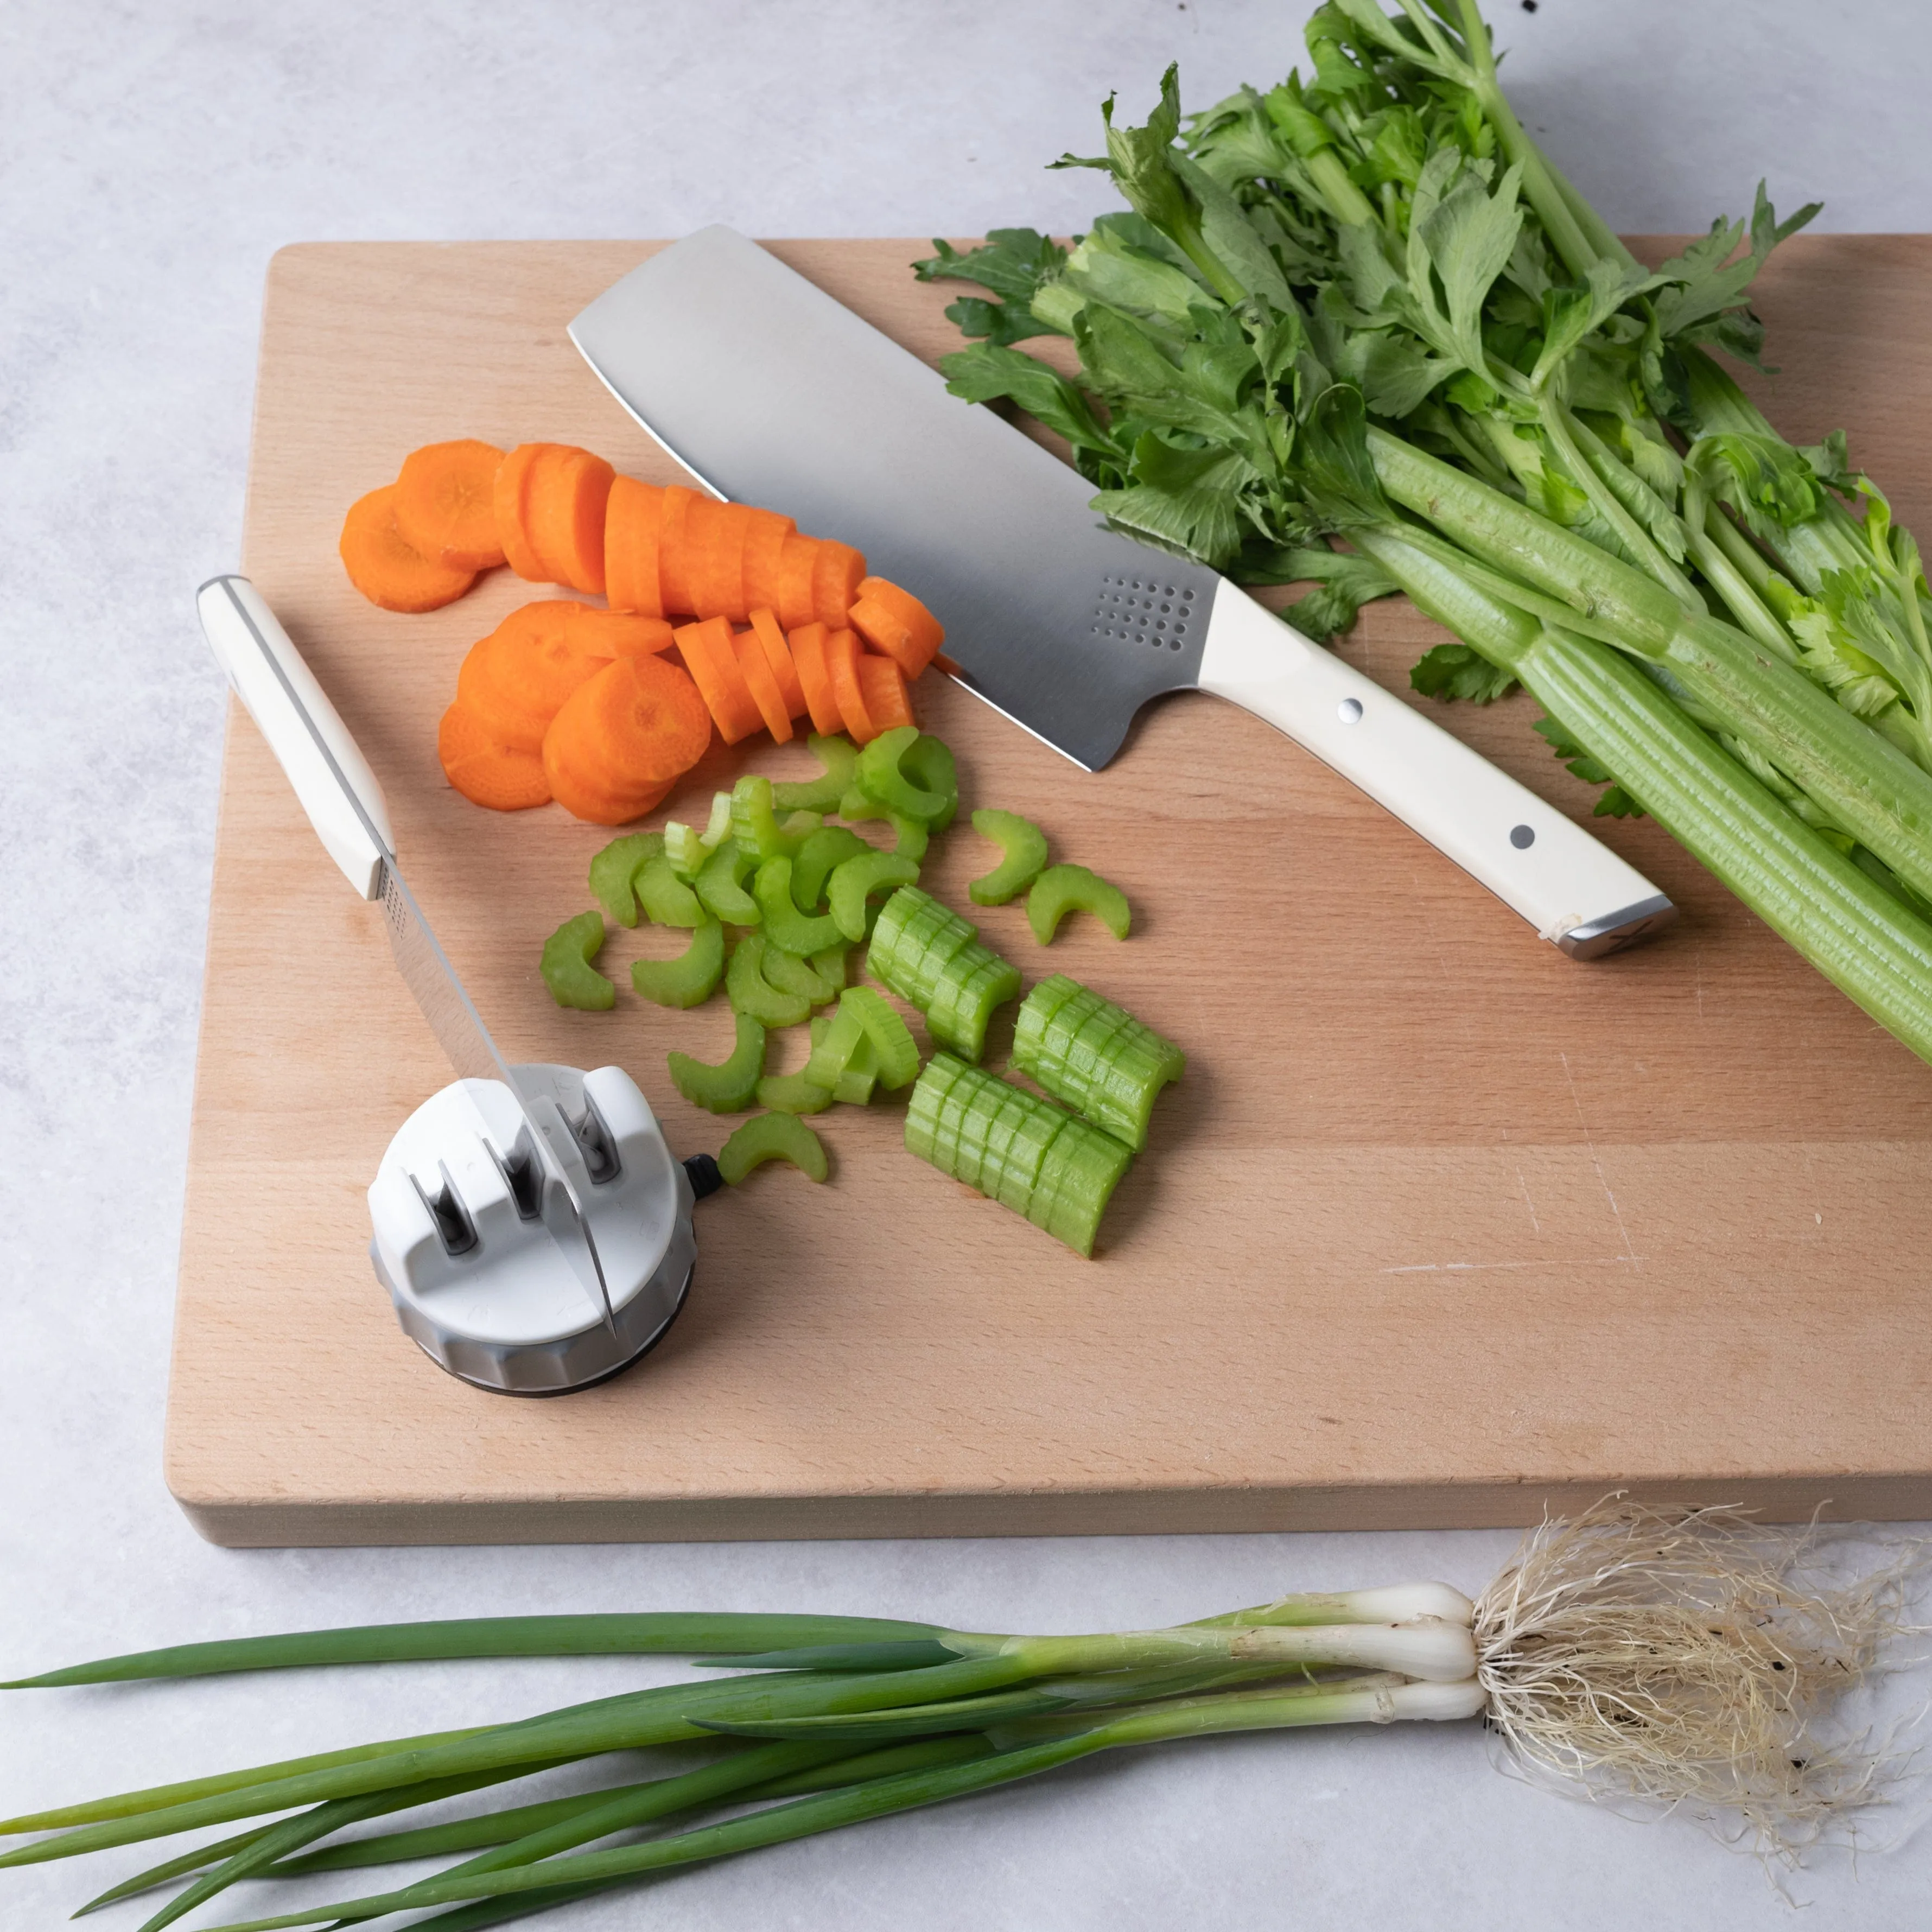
pixel 478 1284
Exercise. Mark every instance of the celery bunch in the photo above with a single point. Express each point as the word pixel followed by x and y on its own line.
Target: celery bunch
pixel 1365 307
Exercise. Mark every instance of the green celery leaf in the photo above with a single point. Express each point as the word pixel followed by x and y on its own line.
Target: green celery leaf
pixel 1228 235
pixel 1340 475
pixel 986 373
pixel 1012 262
pixel 1707 280
pixel 1451 671
pixel 1108 268
pixel 1002 323
pixel 1615 803
pixel 1343 583
pixel 1185 499
pixel 1569 314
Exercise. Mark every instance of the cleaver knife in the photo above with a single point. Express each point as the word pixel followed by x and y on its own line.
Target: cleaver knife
pixel 769 390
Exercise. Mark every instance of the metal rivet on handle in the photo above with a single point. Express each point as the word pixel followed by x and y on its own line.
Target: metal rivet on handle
pixel 1522 837
pixel 1349 711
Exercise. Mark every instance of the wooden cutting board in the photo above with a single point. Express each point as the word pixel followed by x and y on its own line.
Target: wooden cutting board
pixel 1440 1227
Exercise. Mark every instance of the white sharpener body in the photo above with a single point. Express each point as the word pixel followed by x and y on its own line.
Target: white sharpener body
pixel 476 1279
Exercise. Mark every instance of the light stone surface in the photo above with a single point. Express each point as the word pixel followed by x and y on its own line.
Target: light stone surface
pixel 151 158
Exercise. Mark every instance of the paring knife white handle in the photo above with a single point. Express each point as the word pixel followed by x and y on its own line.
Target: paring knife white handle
pixel 1576 893
pixel 331 777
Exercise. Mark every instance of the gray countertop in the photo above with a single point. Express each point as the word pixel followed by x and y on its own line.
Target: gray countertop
pixel 151 160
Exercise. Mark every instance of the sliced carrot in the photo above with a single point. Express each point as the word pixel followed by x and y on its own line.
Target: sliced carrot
pixel 778 655
pixel 764 546
pixel 894 623
pixel 509 501
pixel 808 654
pixel 384 567
pixel 708 657
pixel 623 634
pixel 839 570
pixel 755 668
pixel 584 799
pixel 674 552
pixel 632 518
pixel 563 513
pixel 882 685
pixel 798 563
pixel 445 504
pixel 485 771
pixel 841 664
pixel 714 538
pixel 515 681
pixel 641 720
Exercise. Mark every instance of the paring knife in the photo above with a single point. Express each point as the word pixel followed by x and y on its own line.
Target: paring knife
pixel 770 392
pixel 345 804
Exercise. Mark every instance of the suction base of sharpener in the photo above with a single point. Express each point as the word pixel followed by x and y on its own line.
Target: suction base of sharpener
pixel 477 1281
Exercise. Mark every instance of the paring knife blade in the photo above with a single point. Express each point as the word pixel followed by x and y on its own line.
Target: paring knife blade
pixel 345 804
pixel 770 392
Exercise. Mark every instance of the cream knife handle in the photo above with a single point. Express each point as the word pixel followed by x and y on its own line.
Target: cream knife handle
pixel 1575 891
pixel 331 777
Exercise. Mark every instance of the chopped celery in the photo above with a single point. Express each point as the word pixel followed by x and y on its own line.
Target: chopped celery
pixel 685 848
pixel 728 1087
pixel 840 758
pixel 751 992
pixel 853 1084
pixel 566 967
pixel 666 899
pixel 973 984
pixel 692 977
pixel 755 825
pixel 1095 1056
pixel 857 879
pixel 820 855
pixel 892 1039
pixel 1078 1174
pixel 829 965
pixel 1061 890
pixel 910 838
pixel 785 925
pixel 834 1042
pixel 615 868
pixel 1023 848
pixel 772 1137
pixel 793 1094
pixel 721 885
pixel 791 974
pixel 718 826
pixel 932 957
pixel 880 778
pixel 930 766
pixel 942 1074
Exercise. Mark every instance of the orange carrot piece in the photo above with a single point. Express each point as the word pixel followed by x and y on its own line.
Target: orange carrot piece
pixel 564 505
pixel 633 517
pixel 708 657
pixel 755 668
pixel 778 655
pixel 384 567
pixel 798 562
pixel 839 571
pixel 841 664
pixel 515 681
pixel 882 685
pixel 510 501
pixel 445 504
pixel 641 720
pixel 484 771
pixel 764 546
pixel 584 798
pixel 674 551
pixel 808 654
pixel 714 537
pixel 623 634
pixel 895 623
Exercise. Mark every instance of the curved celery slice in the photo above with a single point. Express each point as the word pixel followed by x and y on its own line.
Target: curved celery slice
pixel 666 899
pixel 721 885
pixel 930 955
pixel 793 1094
pixel 790 974
pixel 615 868
pixel 973 985
pixel 930 766
pixel 685 847
pixel 840 758
pixel 1061 890
pixel 1023 856
pixel 772 1137
pixel 881 777
pixel 818 858
pixel 910 837
pixel 1082 1167
pixel 728 1087
pixel 785 925
pixel 692 977
pixel 829 965
pixel 566 967
pixel 892 1039
pixel 752 994
pixel 857 879
pixel 1095 1056
pixel 851 1064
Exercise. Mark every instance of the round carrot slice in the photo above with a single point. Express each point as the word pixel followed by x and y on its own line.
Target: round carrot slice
pixel 564 501
pixel 515 680
pixel 509 501
pixel 446 503
pixel 894 623
pixel 778 655
pixel 384 567
pixel 714 535
pixel 798 563
pixel 837 573
pixel 814 679
pixel 882 685
pixel 633 518
pixel 623 634
pixel 583 799
pixel 841 663
pixel 764 545
pixel 756 673
pixel 708 657
pixel 674 552
pixel 485 771
pixel 639 722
